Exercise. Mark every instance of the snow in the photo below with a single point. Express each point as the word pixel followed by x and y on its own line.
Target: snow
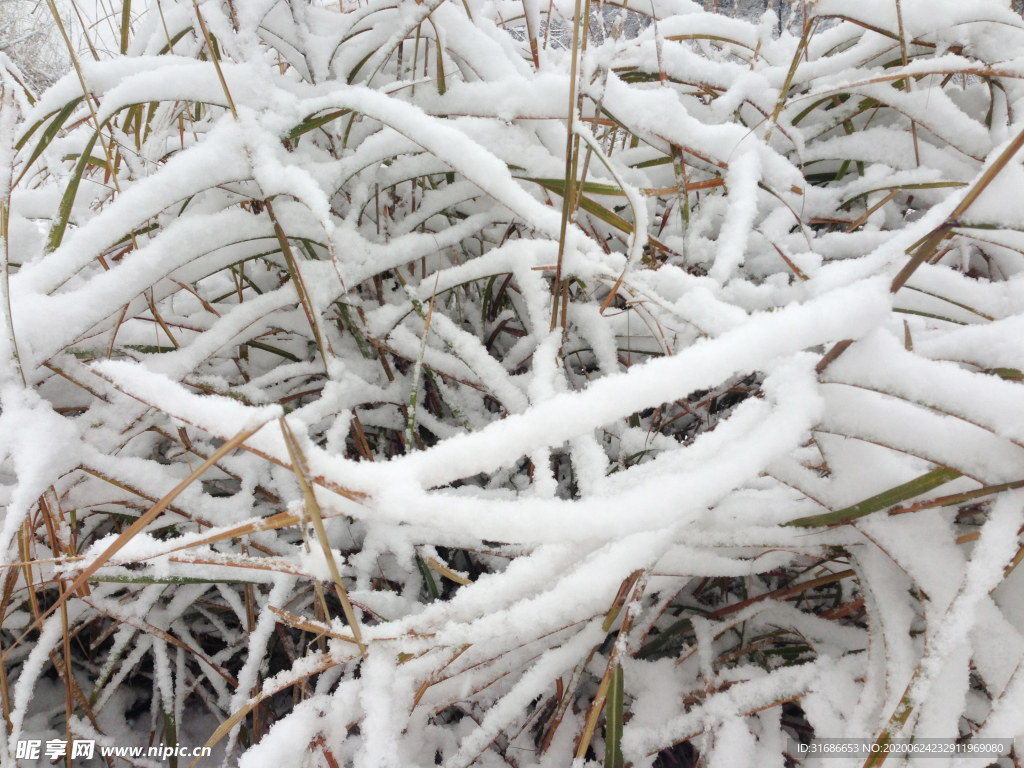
pixel 742 181
pixel 632 469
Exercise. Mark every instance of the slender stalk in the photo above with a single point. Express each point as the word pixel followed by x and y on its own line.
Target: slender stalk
pixel 907 79
pixel 140 523
pixel 784 93
pixel 69 702
pixel 7 121
pixel 126 24
pixel 682 198
pixel 928 247
pixel 300 286
pixel 85 31
pixel 214 57
pixel 90 100
pixel 417 374
pixel 313 508
pixel 570 160
pixel 637 585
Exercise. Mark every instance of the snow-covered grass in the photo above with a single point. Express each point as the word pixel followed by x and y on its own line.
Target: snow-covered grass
pixel 357 412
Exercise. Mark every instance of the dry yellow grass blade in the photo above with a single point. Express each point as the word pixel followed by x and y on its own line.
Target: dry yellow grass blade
pixel 316 480
pixel 635 583
pixel 570 162
pixel 867 214
pixel 272 523
pixel 300 285
pixel 447 572
pixel 225 728
pixel 428 184
pixel 137 527
pixel 167 637
pixel 307 625
pixel 215 59
pixel 275 564
pixel 313 508
pixel 931 243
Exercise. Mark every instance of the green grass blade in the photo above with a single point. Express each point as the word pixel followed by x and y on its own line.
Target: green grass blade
pixel 432 589
pixel 126 24
pixel 441 88
pixel 167 48
pixel 274 350
pixel 1007 373
pixel 588 205
pixel 60 224
pixel 312 123
pixel 353 328
pixel 613 722
pixel 663 638
pixel 48 135
pixel 923 185
pixel 557 185
pixel 917 486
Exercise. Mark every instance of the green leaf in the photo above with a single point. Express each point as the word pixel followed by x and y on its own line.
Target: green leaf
pixel 346 317
pixel 891 497
pixel 126 24
pixel 651 163
pixel 1007 373
pixel 927 314
pixel 312 123
pixel 588 205
pixel 359 65
pixel 27 91
pixel 64 211
pixel 715 38
pixel 273 350
pixel 167 48
pixel 93 160
pixel 923 185
pixel 431 584
pixel 148 349
pixel 48 135
pixel 814 105
pixel 662 639
pixel 440 62
pixel 613 722
pixel 557 185
pixel 640 77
